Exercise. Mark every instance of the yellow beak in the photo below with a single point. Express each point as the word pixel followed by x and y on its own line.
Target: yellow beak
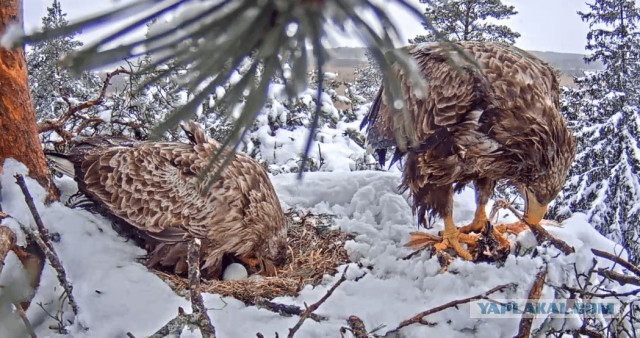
pixel 534 211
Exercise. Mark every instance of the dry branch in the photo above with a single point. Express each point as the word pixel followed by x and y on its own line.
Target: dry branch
pixel 524 329
pixel 198 316
pixel 316 305
pixel 7 241
pixel 27 324
pixel 286 310
pixel 175 325
pixel 419 318
pixel 44 242
pixel 618 277
pixel 197 303
pixel 617 259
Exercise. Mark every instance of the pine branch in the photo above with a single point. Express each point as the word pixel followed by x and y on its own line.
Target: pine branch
pixel 43 241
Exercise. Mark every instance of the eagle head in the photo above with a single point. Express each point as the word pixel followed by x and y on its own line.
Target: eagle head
pixel 542 189
pixel 273 252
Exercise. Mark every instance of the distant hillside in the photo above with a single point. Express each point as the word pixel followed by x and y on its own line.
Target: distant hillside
pixel 567 63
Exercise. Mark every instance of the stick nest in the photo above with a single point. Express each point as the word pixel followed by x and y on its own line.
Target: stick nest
pixel 314 250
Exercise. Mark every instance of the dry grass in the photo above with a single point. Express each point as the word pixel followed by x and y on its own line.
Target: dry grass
pixel 314 250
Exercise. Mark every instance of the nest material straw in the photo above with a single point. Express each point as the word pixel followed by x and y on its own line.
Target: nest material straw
pixel 314 250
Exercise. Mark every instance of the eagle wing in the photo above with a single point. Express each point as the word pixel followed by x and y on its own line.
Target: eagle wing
pixel 156 187
pixel 493 98
pixel 454 87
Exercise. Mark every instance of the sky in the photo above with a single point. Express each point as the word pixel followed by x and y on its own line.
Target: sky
pixel 545 25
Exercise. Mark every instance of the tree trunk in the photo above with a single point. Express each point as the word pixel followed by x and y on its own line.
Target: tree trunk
pixel 18 128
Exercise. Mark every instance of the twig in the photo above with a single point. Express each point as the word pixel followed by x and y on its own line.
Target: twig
pixel 197 303
pixel 419 318
pixel 601 295
pixel 618 260
pixel 285 309
pixel 44 233
pixel 7 241
pixel 524 329
pixel 503 204
pixel 316 305
pixel 44 242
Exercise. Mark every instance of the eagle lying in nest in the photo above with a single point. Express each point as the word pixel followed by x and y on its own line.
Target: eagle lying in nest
pixel 156 188
pixel 492 115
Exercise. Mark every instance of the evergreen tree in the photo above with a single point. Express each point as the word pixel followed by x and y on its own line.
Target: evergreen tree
pixel 467 20
pixel 604 111
pixel 52 87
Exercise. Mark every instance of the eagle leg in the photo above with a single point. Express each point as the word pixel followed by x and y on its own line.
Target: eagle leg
pixel 451 238
pixel 479 220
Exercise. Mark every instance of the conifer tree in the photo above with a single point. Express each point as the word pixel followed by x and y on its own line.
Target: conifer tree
pixel 603 110
pixel 52 87
pixel 467 20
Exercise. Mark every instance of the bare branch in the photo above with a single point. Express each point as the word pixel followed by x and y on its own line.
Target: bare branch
pixel 285 310
pixel 316 305
pixel 74 110
pixel 618 260
pixel 197 303
pixel 618 277
pixel 419 318
pixel 27 324
pixel 44 242
pixel 524 329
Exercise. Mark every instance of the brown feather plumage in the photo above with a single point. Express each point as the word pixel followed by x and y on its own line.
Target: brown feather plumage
pixel 496 118
pixel 156 188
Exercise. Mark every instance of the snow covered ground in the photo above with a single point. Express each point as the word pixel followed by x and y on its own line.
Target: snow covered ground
pixel 116 294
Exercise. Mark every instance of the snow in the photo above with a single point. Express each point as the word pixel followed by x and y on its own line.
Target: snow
pixel 116 294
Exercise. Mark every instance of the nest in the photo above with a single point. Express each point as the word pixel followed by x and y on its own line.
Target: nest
pixel 314 250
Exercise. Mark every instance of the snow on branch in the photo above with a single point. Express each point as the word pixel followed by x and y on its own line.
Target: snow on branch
pixel 74 110
pixel 43 240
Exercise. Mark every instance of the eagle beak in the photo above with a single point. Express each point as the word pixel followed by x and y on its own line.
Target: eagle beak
pixel 534 211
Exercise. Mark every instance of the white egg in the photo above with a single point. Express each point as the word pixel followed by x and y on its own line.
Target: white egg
pixel 235 271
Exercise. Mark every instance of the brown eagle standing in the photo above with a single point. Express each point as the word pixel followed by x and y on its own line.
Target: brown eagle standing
pixel 494 118
pixel 156 188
